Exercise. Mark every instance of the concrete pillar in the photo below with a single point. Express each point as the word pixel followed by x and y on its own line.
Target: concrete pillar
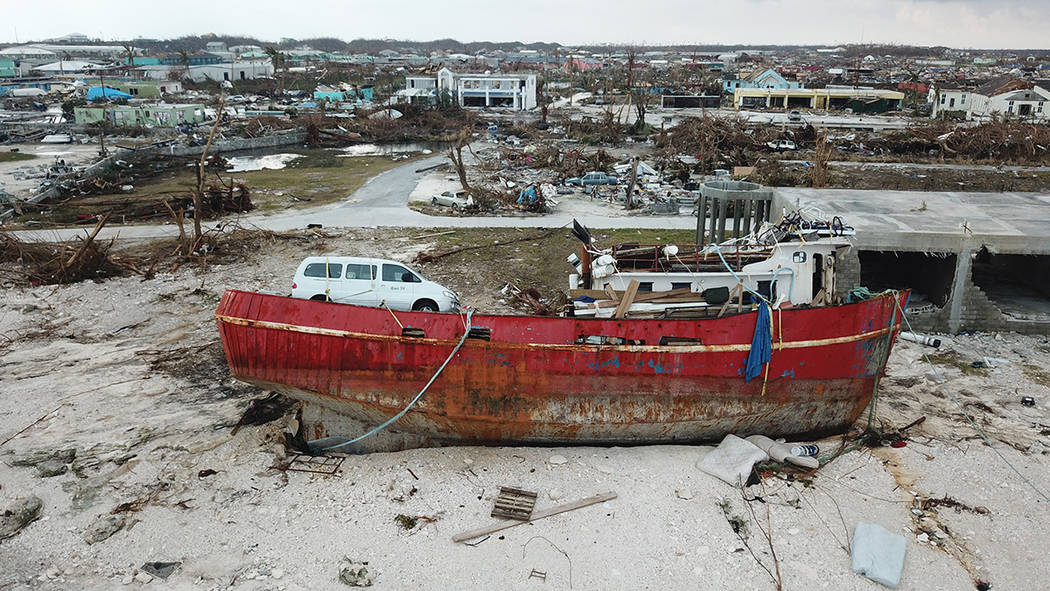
pixel 963 267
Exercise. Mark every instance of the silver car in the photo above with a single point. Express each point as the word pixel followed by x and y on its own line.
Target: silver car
pixel 457 200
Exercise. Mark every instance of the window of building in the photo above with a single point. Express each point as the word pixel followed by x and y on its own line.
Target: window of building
pixel 951 103
pixel 962 100
pixel 944 97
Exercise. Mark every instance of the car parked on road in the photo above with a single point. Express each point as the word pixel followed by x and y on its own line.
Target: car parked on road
pixel 795 116
pixel 457 200
pixel 593 178
pixel 370 282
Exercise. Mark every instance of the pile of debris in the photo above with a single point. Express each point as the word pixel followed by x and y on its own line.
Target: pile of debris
pixel 29 263
pixel 1001 141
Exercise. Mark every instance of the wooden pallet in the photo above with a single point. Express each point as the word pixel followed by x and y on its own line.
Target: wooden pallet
pixel 514 503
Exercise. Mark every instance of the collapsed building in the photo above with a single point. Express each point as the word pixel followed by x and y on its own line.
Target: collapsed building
pixel 974 261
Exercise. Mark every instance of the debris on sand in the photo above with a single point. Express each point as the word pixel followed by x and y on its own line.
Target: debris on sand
pixel 18 514
pixel 103 528
pixel 355 574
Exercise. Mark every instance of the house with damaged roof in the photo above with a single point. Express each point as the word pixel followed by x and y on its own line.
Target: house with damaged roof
pixel 1005 96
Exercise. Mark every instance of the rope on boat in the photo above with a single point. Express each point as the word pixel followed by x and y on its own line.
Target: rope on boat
pixel 394 418
pixel 969 419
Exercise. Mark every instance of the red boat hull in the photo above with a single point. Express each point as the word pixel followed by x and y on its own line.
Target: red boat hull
pixel 532 384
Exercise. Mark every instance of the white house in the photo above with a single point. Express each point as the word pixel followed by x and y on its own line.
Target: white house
pixel 509 91
pixel 501 91
pixel 1003 97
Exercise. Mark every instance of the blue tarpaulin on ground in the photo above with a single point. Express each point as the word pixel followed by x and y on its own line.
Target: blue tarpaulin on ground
pixel 761 344
pixel 97 92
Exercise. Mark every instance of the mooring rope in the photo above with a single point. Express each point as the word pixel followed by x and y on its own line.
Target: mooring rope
pixel 412 403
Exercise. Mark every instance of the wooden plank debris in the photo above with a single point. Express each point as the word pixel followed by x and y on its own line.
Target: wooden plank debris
pixel 536 516
pixel 628 299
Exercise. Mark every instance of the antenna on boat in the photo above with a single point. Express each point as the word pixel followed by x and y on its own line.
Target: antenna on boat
pixel 581 232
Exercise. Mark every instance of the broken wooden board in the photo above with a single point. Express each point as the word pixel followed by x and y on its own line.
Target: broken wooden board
pixel 627 300
pixel 536 516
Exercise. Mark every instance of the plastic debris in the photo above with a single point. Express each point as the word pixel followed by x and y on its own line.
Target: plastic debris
pixel 732 460
pixel 878 554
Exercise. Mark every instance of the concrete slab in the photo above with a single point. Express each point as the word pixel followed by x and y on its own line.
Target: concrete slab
pixel 1017 223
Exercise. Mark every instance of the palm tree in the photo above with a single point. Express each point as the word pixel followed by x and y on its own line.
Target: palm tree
pixel 129 51
pixel 277 60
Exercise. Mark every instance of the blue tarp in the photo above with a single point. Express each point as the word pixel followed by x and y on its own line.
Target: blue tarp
pixel 97 92
pixel 761 344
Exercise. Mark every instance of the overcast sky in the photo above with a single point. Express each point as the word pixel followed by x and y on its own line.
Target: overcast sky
pixel 955 23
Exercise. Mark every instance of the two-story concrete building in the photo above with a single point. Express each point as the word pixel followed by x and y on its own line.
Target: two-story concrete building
pixel 507 91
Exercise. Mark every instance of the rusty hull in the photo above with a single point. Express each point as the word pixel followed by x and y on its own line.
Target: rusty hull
pixel 532 384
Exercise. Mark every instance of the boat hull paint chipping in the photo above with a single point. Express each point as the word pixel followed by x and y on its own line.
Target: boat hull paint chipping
pixel 532 384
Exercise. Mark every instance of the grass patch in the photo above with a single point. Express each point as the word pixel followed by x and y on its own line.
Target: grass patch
pixel 319 177
pixel 15 156
pixel 953 359
pixel 1036 374
pixel 538 263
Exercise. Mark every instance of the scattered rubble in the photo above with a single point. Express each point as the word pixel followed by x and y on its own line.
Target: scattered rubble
pixel 18 513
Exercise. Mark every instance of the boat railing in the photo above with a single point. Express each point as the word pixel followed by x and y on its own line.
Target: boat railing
pixel 689 258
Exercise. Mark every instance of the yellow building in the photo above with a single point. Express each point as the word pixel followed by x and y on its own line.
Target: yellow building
pixel 860 100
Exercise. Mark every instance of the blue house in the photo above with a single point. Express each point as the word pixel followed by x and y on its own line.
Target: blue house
pixel 768 78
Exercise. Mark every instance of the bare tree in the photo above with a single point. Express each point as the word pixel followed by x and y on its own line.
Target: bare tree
pixel 821 157
pixel 628 202
pixel 541 95
pixel 198 191
pixel 455 154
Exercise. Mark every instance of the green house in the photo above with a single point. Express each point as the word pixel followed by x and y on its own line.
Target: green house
pixel 7 69
pixel 136 115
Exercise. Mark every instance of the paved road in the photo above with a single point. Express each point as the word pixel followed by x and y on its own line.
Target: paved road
pixel 381 202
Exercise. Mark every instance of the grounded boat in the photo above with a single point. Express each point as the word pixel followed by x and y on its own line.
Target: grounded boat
pixel 521 379
pixel 744 337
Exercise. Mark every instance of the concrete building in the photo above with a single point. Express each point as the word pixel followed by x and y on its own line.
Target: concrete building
pixel 974 261
pixel 860 100
pixel 420 90
pixel 1002 97
pixel 508 91
pixel 231 71
pixel 146 115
